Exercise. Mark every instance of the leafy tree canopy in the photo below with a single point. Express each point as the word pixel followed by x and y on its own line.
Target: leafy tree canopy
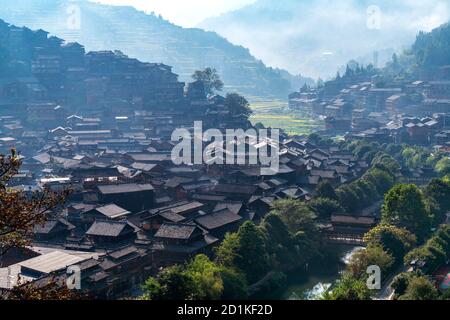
pixel 420 288
pixel 373 255
pixel 237 105
pixel 211 80
pixel 326 190
pixel 350 289
pixel 404 206
pixel 325 207
pixel 296 215
pixel 394 240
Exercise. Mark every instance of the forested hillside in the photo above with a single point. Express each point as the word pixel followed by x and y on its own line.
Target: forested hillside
pixel 149 38
pixel 317 37
pixel 433 49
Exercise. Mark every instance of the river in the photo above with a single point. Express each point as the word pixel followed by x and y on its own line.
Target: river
pixel 313 285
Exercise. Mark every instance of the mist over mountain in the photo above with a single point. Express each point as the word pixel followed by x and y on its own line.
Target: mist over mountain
pixel 317 37
pixel 150 38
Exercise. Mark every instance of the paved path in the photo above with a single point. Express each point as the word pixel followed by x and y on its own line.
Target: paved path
pixel 386 292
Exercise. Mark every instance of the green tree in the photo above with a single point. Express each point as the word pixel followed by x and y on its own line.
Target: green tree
pixel 296 215
pixel 349 198
pixel 385 160
pixel 415 157
pixel 434 253
pixel 210 78
pixel 363 190
pixel 325 207
pixel 396 241
pixel 401 282
pixel 444 235
pixel 439 190
pixel 362 150
pixel 245 251
pixel 206 275
pixel 173 283
pixel 420 288
pixel 433 257
pixel 227 252
pixel 369 190
pixel 279 242
pixel 446 295
pixel 252 257
pixel 404 206
pixel 394 150
pixel 381 179
pixel 237 105
pixel 326 190
pixel 285 249
pixel 234 284
pixel 373 255
pixel 200 279
pixel 436 213
pixel 350 289
pixel 443 166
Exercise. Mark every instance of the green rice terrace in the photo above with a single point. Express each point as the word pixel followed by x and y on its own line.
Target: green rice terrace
pixel 276 114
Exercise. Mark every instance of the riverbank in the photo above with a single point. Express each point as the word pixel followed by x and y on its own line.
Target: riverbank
pixel 311 286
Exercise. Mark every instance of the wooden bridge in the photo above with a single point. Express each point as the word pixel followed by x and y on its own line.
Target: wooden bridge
pixel 343 238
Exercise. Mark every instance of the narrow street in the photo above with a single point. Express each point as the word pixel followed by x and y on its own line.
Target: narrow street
pixel 386 292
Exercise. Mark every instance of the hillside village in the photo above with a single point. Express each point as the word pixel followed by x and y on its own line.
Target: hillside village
pixel 412 111
pixel 100 124
pixel 153 39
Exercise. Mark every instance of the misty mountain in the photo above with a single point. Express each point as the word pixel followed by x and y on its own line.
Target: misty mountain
pixel 150 38
pixel 317 37
pixel 433 49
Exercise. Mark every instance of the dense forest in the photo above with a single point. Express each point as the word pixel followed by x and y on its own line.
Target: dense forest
pixel 429 52
pixel 433 49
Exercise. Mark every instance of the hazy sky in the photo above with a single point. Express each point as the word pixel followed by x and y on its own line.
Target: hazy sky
pixel 311 37
pixel 186 13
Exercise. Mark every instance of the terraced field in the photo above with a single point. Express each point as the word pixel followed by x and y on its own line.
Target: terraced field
pixel 276 114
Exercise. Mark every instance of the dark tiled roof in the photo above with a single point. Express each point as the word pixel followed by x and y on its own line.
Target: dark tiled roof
pixel 88 264
pixel 234 207
pixel 124 188
pixel 208 197
pixel 171 216
pixel 43 158
pixel 107 228
pixel 144 157
pixel 314 180
pixel 123 252
pixel 218 219
pixel 99 276
pixel 186 208
pixel 46 228
pixel 176 181
pixel 176 231
pixel 51 224
pixel 112 211
pixel 235 188
pixel 146 167
pixel 327 174
pixel 355 220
